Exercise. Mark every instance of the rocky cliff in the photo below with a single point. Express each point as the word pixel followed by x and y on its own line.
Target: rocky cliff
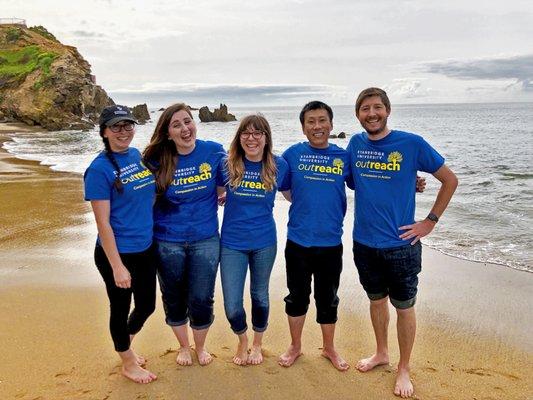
pixel 46 83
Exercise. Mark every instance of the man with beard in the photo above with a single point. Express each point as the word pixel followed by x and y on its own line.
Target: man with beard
pixel 387 249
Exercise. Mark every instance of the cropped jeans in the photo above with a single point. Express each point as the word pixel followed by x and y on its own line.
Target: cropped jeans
pixel 187 273
pixel 233 269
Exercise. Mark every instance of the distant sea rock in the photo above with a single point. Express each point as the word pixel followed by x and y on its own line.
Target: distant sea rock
pixel 220 114
pixel 341 135
pixel 141 114
pixel 46 83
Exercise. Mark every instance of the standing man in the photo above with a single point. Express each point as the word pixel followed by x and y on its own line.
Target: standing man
pixel 387 249
pixel 318 171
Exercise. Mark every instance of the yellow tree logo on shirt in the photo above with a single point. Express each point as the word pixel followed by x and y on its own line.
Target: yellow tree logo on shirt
pixel 338 163
pixel 205 167
pixel 395 157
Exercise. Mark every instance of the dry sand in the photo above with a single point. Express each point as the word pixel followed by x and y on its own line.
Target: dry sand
pixel 474 339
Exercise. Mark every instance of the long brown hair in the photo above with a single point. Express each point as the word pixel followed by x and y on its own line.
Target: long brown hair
pixel 235 163
pixel 163 150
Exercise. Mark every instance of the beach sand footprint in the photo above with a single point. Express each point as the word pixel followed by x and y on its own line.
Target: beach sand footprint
pixel 271 371
pixel 168 351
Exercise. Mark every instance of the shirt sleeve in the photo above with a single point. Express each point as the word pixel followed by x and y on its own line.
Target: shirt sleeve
pixel 283 178
pixel 97 185
pixel 348 177
pixel 221 178
pixel 429 160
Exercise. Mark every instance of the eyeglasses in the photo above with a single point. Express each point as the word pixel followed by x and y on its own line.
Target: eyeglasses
pixel 255 134
pixel 128 127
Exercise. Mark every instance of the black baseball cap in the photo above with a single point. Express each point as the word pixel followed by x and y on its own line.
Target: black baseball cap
pixel 113 114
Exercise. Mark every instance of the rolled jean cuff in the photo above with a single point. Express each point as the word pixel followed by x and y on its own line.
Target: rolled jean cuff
pixel 377 296
pixel 241 331
pixel 403 304
pixel 178 323
pixel 204 326
pixel 259 330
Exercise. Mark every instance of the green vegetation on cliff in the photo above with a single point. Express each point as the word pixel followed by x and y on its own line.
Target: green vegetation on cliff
pixel 44 82
pixel 20 62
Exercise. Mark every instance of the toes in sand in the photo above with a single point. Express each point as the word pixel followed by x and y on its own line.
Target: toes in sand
pixel 184 356
pixel 204 357
pixel 403 387
pixel 256 355
pixel 366 364
pixel 337 361
pixel 138 374
pixel 290 356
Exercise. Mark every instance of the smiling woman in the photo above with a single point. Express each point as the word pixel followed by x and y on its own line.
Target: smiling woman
pixel 187 171
pixel 121 191
pixel 253 174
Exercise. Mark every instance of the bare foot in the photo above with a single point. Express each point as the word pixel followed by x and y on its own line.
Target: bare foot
pixel 241 356
pixel 184 356
pixel 337 361
pixel 137 373
pixel 204 357
pixel 141 361
pixel 256 355
pixel 289 357
pixel 366 364
pixel 404 387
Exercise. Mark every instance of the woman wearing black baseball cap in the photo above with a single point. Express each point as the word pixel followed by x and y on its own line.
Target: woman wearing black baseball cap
pixel 122 191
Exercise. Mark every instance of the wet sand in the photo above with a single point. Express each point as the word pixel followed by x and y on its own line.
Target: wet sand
pixel 473 340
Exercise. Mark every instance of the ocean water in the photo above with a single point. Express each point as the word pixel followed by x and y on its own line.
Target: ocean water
pixel 488 146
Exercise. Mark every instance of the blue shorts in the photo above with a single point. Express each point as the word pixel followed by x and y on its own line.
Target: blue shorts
pixel 389 272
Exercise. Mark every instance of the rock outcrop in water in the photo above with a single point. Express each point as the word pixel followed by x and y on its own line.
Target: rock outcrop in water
pixel 46 83
pixel 220 114
pixel 141 113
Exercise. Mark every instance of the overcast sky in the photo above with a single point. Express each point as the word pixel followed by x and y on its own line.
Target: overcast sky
pixel 288 52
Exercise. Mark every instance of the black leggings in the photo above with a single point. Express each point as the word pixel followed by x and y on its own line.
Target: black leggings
pixel 142 270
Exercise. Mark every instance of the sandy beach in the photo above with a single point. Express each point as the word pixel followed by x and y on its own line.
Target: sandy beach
pixel 474 320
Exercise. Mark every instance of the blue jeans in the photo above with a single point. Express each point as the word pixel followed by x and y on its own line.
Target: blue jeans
pixel 187 273
pixel 233 269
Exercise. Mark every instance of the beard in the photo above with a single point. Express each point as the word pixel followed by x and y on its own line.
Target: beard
pixel 375 129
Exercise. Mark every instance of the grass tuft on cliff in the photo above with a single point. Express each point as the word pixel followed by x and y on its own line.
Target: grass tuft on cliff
pixel 20 62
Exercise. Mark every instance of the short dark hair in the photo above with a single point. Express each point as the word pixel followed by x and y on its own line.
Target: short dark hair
pixel 315 105
pixel 373 91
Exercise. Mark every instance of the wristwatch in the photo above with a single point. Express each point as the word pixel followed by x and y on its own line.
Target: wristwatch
pixel 433 217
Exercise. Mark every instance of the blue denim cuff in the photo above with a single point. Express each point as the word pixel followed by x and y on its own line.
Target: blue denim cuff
pixel 204 326
pixel 259 330
pixel 178 323
pixel 377 296
pixel 403 305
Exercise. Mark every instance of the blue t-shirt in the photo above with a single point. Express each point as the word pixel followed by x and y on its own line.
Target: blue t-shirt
pixel 384 172
pixel 248 220
pixel 318 194
pixel 187 212
pixel 131 211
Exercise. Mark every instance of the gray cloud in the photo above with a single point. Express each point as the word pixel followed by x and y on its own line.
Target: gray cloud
pixel 230 90
pixel 233 94
pixel 87 34
pixel 519 68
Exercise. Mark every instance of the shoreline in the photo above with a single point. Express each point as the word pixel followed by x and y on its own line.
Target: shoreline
pixel 11 128
pixel 473 339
